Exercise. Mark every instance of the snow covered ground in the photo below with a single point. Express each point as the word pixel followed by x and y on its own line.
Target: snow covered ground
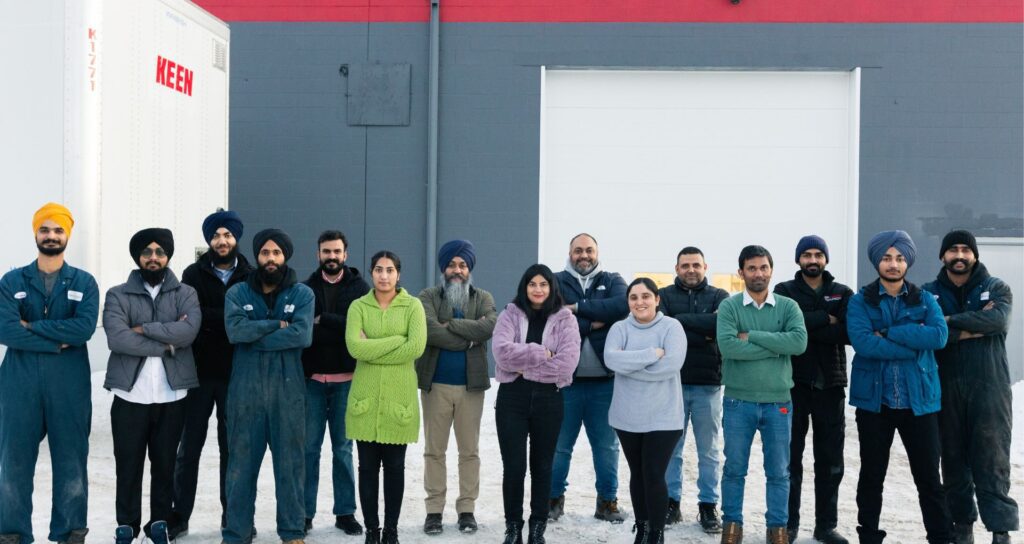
pixel 900 517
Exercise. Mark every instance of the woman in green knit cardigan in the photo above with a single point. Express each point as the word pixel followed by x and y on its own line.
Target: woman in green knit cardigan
pixel 386 332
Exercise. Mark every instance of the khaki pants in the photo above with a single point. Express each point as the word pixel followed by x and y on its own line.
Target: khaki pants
pixel 442 406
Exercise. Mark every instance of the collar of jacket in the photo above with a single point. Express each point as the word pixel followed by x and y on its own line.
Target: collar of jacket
pixel 402 299
pixel 137 286
pixel 978 274
pixel 699 287
pixel 871 296
pixel 253 279
pixel 349 274
pixel 31 275
pixel 242 269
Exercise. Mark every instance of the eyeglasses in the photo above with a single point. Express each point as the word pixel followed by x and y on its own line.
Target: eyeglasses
pixel 148 252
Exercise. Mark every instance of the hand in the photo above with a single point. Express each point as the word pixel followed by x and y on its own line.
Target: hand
pixel 183 317
pixel 284 324
pixel 743 336
pixel 967 335
pixel 137 329
pixel 25 324
pixel 989 306
pixel 659 352
pixel 594 325
pixel 170 349
pixel 832 320
pixel 65 346
pixel 571 307
pixel 316 320
pixel 362 334
pixel 445 324
pixel 878 334
pixel 946 317
pixel 549 354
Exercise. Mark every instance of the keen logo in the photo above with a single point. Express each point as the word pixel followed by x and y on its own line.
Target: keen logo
pixel 174 76
pixel 833 298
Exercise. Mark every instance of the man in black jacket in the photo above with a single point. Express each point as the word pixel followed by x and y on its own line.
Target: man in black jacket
pixel 328 367
pixel 977 406
pixel 598 299
pixel 695 304
pixel 819 395
pixel 211 276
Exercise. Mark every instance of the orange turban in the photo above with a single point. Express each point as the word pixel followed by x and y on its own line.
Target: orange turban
pixel 56 213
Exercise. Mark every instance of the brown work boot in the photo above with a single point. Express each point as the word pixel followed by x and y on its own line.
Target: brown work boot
pixel 295 541
pixel 776 535
pixel 732 533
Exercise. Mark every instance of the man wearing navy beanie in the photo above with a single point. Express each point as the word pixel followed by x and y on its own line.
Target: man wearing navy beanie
pixel 819 387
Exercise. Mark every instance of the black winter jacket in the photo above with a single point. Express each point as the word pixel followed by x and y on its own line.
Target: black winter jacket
pixel 604 301
pixel 328 354
pixel 695 309
pixel 212 351
pixel 826 343
pixel 975 360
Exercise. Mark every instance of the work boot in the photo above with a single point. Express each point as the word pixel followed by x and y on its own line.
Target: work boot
pixel 708 517
pixel 372 536
pixel 124 534
pixel 10 538
pixel 467 523
pixel 963 533
pixel 432 525
pixel 513 532
pixel 609 511
pixel 640 528
pixel 294 541
pixel 673 515
pixel 870 536
pixel 537 528
pixel 556 508
pixel 76 536
pixel 348 524
pixel 732 533
pixel 389 536
pixel 177 527
pixel 792 532
pixel 829 536
pixel 158 533
pixel 776 535
pixel 1001 537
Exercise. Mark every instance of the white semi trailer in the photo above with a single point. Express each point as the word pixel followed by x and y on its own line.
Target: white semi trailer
pixel 119 110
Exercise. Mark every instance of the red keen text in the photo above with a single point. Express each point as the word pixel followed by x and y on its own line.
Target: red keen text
pixel 173 75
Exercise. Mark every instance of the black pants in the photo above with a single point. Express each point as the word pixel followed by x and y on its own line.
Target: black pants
pixel 199 405
pixel 527 410
pixel 920 436
pixel 373 455
pixel 136 429
pixel 648 455
pixel 825 409
pixel 975 422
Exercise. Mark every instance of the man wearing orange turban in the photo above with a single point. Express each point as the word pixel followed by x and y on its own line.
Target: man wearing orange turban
pixel 48 312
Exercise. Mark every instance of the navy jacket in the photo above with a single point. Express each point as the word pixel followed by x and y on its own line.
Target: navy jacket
pixel 604 301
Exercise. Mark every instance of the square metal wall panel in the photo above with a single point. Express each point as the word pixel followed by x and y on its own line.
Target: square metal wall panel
pixel 379 94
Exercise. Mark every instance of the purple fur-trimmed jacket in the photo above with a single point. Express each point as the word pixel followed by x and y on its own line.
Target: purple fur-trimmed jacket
pixel 513 356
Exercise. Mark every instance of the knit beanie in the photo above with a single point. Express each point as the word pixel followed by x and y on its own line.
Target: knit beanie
pixel 811 241
pixel 456 248
pixel 56 213
pixel 881 242
pixel 278 236
pixel 955 237
pixel 222 218
pixel 144 237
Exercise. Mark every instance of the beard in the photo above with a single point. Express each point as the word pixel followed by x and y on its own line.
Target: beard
pixel 811 270
pixel 584 267
pixel 271 278
pixel 457 293
pixel 951 264
pixel 153 277
pixel 756 286
pixel 326 269
pixel 51 251
pixel 219 260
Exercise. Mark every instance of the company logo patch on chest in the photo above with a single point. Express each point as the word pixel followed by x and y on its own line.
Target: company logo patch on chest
pixel 20 295
pixel 985 295
pixel 75 295
pixel 600 288
pixel 247 307
pixel 833 298
pixel 289 308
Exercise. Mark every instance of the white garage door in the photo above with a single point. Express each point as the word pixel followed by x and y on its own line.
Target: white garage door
pixel 652 161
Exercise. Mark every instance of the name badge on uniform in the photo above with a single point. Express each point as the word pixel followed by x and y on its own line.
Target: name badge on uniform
pixel 985 295
pixel 289 308
pixel 247 307
pixel 20 295
pixel 75 295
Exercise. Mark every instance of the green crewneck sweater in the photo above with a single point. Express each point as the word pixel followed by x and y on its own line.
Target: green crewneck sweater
pixel 759 369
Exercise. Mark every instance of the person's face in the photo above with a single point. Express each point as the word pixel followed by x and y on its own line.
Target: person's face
pixel 51 239
pixel 538 290
pixel 385 275
pixel 812 262
pixel 153 258
pixel 756 274
pixel 691 269
pixel 643 303
pixel 893 265
pixel 270 257
pixel 583 254
pixel 457 271
pixel 959 259
pixel 332 256
pixel 223 242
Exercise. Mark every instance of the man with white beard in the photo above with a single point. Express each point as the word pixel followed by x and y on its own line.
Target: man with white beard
pixel 452 375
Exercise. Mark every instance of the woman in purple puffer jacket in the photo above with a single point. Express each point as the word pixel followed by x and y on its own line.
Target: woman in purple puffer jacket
pixel 536 348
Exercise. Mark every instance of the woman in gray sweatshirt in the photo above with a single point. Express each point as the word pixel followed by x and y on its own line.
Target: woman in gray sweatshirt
pixel 646 351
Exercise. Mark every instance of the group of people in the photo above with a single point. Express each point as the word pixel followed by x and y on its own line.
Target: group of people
pixel 283 362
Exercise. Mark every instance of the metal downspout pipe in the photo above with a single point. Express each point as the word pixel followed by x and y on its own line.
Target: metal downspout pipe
pixel 432 135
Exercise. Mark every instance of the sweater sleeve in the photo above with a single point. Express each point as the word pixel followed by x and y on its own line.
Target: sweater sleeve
pixel 667 366
pixel 412 344
pixel 512 356
pixel 565 355
pixel 617 358
pixel 791 340
pixel 729 343
pixel 366 349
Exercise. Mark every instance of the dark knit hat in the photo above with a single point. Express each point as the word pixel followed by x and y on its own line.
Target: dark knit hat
pixel 144 237
pixel 456 248
pixel 955 237
pixel 278 236
pixel 811 241
pixel 881 242
pixel 222 218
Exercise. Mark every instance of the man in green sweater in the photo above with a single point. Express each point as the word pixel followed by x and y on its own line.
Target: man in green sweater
pixel 758 332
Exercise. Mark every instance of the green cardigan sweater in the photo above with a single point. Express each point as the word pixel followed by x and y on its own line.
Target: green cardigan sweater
pixel 382 404
pixel 760 369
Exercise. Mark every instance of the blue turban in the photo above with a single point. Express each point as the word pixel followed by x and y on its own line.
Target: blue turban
pixel 222 218
pixel 881 242
pixel 811 241
pixel 456 248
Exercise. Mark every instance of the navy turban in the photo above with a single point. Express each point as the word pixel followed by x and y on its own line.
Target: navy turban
pixel 881 242
pixel 279 237
pixel 222 218
pixel 456 248
pixel 144 237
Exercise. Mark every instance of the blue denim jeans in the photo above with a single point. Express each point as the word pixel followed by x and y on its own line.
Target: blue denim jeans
pixel 702 407
pixel 739 422
pixel 586 404
pixel 325 408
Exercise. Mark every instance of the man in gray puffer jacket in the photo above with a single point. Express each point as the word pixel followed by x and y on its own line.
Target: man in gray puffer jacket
pixel 150 322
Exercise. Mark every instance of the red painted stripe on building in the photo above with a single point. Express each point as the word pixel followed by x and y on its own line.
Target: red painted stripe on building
pixel 623 11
